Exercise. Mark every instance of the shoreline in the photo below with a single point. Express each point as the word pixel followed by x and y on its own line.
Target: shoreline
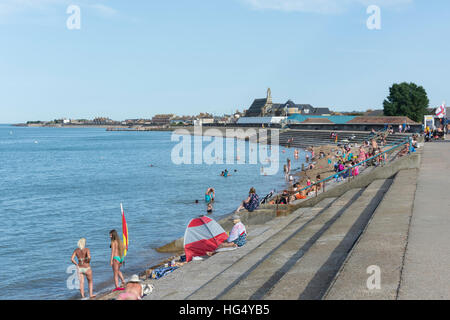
pixel 108 127
pixel 175 252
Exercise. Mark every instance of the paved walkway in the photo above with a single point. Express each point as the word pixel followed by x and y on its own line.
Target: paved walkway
pixel 426 271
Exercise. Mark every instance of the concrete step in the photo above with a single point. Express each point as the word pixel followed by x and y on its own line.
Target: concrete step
pixel 193 276
pixel 382 244
pixel 239 270
pixel 310 277
pixel 277 261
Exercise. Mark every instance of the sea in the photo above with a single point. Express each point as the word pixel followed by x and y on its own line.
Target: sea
pixel 61 184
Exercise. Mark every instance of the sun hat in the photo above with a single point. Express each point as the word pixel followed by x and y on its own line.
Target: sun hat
pixel 235 217
pixel 134 278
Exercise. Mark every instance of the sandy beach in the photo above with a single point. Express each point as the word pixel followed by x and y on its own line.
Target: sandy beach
pixel 321 167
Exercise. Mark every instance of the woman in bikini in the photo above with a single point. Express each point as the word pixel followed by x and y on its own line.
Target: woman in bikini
pixel 117 257
pixel 84 269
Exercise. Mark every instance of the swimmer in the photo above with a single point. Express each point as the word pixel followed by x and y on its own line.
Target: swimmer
pixel 210 195
pixel 209 209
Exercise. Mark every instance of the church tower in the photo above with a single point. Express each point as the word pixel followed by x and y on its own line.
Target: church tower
pixel 267 109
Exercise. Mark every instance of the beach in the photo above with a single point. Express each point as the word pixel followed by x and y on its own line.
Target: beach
pixel 69 184
pixel 321 168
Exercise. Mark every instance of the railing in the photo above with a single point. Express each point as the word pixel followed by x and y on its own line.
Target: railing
pixel 407 140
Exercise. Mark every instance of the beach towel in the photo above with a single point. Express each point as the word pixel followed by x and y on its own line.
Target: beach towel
pixel 161 272
pixel 226 249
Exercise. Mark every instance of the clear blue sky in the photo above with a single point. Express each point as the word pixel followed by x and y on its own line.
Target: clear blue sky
pixel 133 59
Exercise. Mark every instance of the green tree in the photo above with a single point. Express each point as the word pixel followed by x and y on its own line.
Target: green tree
pixel 406 99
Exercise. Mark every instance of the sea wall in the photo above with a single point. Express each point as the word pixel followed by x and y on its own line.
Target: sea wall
pixel 269 212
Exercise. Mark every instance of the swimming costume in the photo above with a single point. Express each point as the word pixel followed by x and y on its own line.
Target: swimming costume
pixel 83 270
pixel 119 259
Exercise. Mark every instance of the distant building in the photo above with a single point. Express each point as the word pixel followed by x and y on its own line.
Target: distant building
pixel 375 113
pixel 162 119
pixel 257 121
pixel 266 108
pixel 103 121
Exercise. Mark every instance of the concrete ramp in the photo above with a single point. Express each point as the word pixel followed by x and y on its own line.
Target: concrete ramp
pixel 427 262
pixel 382 245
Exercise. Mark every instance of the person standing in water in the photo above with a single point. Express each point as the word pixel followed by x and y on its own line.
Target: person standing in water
pixel 117 257
pixel 210 195
pixel 83 255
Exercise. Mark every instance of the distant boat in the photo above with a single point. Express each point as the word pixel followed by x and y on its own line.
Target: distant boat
pixel 35 141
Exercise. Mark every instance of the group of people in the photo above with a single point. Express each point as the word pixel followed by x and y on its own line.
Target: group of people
pixel 436 134
pixel 404 128
pixel 83 255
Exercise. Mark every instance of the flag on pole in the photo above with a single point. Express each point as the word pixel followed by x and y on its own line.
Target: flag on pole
pixel 441 111
pixel 124 232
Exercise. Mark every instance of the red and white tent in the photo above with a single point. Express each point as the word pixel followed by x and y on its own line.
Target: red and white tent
pixel 202 234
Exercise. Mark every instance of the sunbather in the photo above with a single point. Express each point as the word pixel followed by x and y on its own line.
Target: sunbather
pixel 135 289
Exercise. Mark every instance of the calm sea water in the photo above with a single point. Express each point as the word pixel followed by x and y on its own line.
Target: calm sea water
pixel 58 185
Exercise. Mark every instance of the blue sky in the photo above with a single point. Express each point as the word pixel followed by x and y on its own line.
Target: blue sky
pixel 136 58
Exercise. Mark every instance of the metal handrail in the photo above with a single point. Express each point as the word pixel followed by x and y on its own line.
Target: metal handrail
pixel 359 164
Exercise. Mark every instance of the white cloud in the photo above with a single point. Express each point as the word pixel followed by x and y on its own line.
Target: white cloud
pixel 318 6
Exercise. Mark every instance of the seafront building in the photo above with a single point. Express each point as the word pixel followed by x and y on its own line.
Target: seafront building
pixel 266 108
pixel 264 113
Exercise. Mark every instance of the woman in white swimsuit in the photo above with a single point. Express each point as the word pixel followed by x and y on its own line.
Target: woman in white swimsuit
pixel 83 255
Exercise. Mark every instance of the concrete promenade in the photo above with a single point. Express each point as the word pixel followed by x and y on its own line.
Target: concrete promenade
pixel 426 270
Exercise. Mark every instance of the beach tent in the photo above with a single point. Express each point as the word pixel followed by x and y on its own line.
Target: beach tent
pixel 202 234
